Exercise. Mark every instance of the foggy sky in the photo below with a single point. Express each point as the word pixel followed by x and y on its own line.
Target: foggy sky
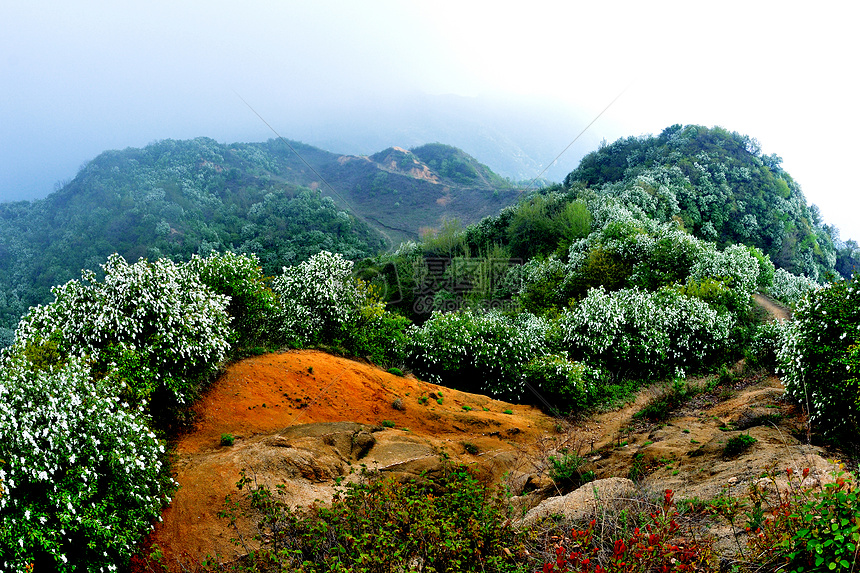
pixel 79 78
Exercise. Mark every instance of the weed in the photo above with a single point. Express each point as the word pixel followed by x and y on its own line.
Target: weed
pixel 227 439
pixel 471 448
pixel 565 469
pixel 637 468
pixel 738 444
pixel 507 412
pixel 398 404
pixel 655 547
pixel 467 408
pixel 396 371
pixel 387 424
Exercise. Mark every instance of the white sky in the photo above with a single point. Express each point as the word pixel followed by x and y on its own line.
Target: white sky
pixel 81 77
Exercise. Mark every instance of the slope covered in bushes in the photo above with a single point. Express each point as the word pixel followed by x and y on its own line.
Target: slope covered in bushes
pixel 568 299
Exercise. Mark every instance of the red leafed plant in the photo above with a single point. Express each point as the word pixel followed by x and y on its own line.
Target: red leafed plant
pixel 657 549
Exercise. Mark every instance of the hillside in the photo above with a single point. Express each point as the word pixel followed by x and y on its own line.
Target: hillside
pixel 296 419
pixel 571 304
pixel 721 187
pixel 175 198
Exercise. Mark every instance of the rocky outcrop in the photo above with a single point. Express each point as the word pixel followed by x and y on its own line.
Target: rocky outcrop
pixel 581 503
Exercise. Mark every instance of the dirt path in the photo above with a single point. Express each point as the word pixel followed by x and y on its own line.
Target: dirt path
pixel 775 310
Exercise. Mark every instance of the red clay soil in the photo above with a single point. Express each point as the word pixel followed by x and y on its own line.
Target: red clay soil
pixel 265 394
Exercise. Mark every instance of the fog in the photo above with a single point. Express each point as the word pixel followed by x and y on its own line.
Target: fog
pixel 80 78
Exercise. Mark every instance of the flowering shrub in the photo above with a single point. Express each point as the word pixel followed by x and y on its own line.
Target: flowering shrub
pixel 646 332
pixel 319 300
pixel 736 266
pixel 240 277
pixel 818 357
pixel 766 342
pixel 80 472
pixel 788 288
pixel 157 315
pixel 566 385
pixel 478 352
pixel 656 548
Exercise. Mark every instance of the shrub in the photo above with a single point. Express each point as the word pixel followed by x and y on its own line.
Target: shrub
pixel 811 529
pixel 240 277
pixel 152 327
pixel 788 288
pixel 227 439
pixel 565 469
pixel 765 344
pixel 820 359
pixel 477 352
pixel 81 475
pixel 649 333
pixel 738 445
pixel 736 266
pixel 320 300
pixel 564 386
pixel 451 523
pixel 656 547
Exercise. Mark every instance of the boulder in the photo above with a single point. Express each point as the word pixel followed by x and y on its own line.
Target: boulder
pixel 582 502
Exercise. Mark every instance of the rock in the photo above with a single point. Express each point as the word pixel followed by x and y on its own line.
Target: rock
pixel 581 502
pixel 362 441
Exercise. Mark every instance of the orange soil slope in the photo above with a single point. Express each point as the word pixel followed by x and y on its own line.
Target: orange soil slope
pixel 265 394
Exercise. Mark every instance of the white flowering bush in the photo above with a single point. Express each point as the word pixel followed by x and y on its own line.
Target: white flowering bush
pixel 320 300
pixel 81 477
pixel 641 333
pixel 477 352
pixel 153 322
pixel 252 305
pixel 564 386
pixel 736 266
pixel 789 288
pixel 820 361
pixel 766 342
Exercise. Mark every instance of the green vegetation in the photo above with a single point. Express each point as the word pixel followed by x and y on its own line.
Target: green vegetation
pixel 641 267
pixel 820 359
pixel 565 469
pixel 451 523
pixel 174 199
pixel 738 445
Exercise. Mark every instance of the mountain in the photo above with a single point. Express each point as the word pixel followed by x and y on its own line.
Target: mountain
pixel 282 200
pixel 721 188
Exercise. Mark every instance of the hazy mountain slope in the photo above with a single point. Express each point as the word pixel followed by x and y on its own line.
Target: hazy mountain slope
pixel 176 198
